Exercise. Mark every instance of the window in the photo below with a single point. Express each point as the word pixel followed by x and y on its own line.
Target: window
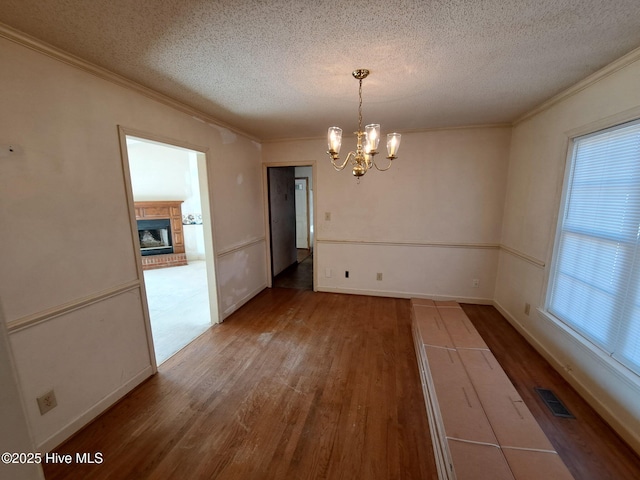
pixel 595 276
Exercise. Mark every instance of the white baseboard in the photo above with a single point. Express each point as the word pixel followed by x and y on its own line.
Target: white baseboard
pixel 242 301
pixel 393 294
pixel 603 410
pixel 85 418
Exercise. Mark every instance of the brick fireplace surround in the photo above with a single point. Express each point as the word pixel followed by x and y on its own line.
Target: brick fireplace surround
pixel 171 210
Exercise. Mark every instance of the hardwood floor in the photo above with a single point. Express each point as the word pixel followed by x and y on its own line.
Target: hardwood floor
pixel 298 276
pixel 588 446
pixel 295 385
pixel 303 385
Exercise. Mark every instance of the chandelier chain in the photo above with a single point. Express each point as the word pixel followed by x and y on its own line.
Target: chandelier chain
pixel 360 108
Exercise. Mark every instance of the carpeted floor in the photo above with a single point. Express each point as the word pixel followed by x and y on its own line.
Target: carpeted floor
pixel 178 306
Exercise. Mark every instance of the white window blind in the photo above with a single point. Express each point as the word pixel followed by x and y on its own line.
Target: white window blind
pixel 595 280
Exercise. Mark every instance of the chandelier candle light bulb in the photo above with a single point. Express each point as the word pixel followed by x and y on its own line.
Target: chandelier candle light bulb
pixel 373 136
pixel 335 139
pixel 393 143
pixel 364 156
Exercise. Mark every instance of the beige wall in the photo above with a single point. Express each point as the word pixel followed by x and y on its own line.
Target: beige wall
pixel 69 281
pixel 161 172
pixel 536 171
pixel 431 224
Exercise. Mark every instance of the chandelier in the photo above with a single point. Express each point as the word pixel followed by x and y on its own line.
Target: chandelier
pixel 366 149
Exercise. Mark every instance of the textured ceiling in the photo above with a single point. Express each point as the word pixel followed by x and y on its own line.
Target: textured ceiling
pixel 282 68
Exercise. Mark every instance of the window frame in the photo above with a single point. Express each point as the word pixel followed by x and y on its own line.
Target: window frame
pixel 566 175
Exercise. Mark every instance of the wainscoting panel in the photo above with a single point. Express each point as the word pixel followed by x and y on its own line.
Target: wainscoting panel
pixel 241 274
pixel 464 272
pixel 90 355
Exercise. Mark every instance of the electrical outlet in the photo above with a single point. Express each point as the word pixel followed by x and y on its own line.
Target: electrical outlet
pixel 327 272
pixel 327 216
pixel 527 308
pixel 47 402
pixel 379 276
pixel 476 283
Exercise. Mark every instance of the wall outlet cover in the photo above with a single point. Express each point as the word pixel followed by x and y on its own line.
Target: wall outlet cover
pixel 47 402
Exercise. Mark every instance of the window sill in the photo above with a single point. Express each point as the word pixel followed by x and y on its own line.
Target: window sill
pixel 596 353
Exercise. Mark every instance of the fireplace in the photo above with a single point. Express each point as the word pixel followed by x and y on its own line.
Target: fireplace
pixel 155 236
pixel 160 234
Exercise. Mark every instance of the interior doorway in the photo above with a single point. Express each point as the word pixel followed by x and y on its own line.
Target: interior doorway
pixel 178 276
pixel 291 224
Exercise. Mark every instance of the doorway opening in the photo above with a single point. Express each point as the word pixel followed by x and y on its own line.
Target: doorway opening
pixel 171 203
pixel 291 225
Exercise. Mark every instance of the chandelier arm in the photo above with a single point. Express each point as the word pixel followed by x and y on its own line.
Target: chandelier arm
pixel 382 169
pixel 340 166
pixel 337 166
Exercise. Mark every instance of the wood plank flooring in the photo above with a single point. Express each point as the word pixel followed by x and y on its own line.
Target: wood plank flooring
pixel 303 385
pixel 588 446
pixel 298 276
pixel 295 385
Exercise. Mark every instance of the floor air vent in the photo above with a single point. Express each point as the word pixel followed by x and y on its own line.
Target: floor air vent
pixel 554 404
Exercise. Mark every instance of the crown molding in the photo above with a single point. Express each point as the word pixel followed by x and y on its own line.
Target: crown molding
pixel 613 67
pixel 44 48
